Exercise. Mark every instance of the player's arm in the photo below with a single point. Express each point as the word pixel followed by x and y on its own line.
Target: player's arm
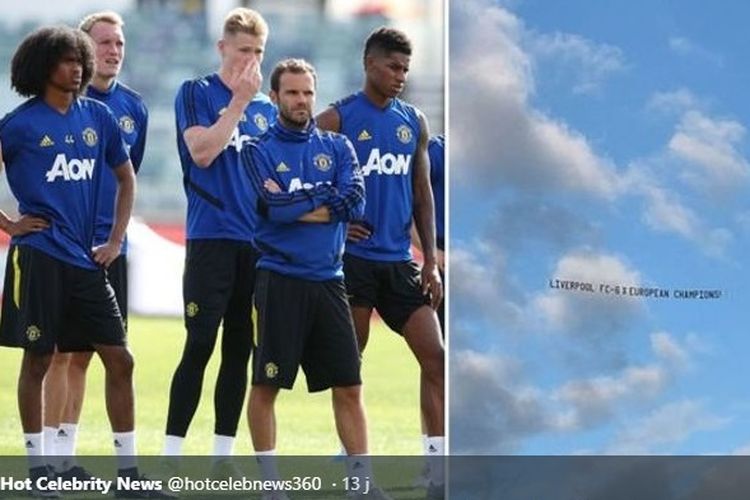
pixel 418 245
pixel 424 216
pixel 124 199
pixel 206 143
pixel 138 148
pixel 272 202
pixel 347 201
pixel 329 119
pixel 25 223
pixel 320 215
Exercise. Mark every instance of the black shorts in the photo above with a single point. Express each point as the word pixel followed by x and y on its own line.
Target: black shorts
pixel 44 296
pixel 393 288
pixel 117 276
pixel 308 323
pixel 218 285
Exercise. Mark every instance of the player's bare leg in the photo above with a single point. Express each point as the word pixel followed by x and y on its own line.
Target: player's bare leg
pixel 30 381
pixel 351 422
pixel 119 393
pixel 361 316
pixel 261 416
pixel 422 334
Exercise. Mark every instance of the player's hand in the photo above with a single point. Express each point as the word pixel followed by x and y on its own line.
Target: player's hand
pixel 271 186
pixel 245 80
pixel 105 254
pixel 357 232
pixel 441 260
pixel 431 284
pixel 27 224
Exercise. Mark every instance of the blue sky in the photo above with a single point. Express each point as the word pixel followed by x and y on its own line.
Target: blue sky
pixel 604 143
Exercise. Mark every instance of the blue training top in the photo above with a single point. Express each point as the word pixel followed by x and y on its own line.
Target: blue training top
pixel 132 117
pixel 385 140
pixel 312 168
pixel 54 165
pixel 217 196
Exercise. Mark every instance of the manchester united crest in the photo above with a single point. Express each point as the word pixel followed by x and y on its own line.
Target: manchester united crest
pixel 33 333
pixel 271 370
pixel 322 162
pixel 404 134
pixel 260 122
pixel 127 124
pixel 90 137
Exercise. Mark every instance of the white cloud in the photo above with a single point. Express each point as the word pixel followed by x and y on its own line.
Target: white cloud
pixel 491 411
pixel 679 100
pixel 588 315
pixel 592 62
pixel 711 145
pixel 502 142
pixel 498 137
pixel 668 349
pixel 479 287
pixel 494 408
pixel 530 223
pixel 664 428
pixel 596 399
pixel 692 50
pixel 665 212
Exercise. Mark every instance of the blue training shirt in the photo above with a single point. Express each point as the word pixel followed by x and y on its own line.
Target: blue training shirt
pixel 54 164
pixel 132 117
pixel 385 140
pixel 313 168
pixel 436 150
pixel 217 196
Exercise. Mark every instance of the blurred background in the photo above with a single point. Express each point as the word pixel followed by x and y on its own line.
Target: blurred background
pixel 168 41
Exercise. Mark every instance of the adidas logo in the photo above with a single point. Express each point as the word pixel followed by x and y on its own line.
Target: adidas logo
pixel 46 142
pixel 29 445
pixel 118 444
pixel 432 449
pixel 282 167
pixel 357 465
pixel 62 433
pixel 364 136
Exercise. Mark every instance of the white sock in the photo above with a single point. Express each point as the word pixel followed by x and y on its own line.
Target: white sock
pixel 269 467
pixel 173 446
pixel 66 444
pixel 223 446
pixel 49 436
pixel 359 466
pixel 435 460
pixel 34 449
pixel 125 449
pixel 424 444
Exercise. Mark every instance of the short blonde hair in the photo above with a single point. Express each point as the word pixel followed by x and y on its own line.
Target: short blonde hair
pixel 244 20
pixel 106 16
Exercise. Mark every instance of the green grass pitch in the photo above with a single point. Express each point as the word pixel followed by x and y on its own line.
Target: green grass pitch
pixel 305 421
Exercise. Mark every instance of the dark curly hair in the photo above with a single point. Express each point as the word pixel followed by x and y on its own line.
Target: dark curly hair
pixel 387 40
pixel 40 53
